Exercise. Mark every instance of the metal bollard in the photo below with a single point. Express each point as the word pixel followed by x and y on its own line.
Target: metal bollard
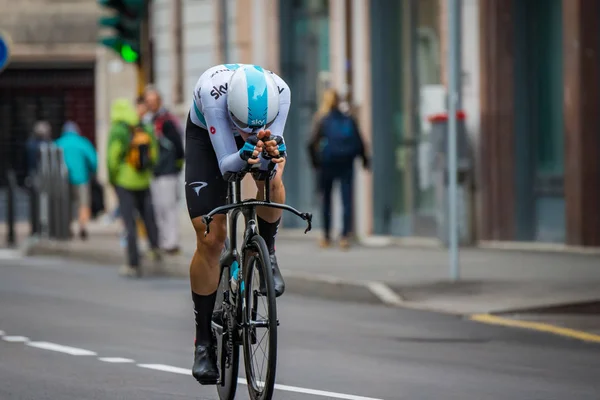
pixel 43 195
pixel 63 199
pixel 50 189
pixel 10 207
pixel 54 192
pixel 34 204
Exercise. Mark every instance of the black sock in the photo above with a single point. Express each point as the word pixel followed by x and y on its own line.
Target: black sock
pixel 268 230
pixel 203 308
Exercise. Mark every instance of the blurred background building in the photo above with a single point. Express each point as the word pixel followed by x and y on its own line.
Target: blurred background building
pixel 51 74
pixel 530 87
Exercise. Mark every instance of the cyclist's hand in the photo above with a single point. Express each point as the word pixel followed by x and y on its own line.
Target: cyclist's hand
pixel 251 149
pixel 274 148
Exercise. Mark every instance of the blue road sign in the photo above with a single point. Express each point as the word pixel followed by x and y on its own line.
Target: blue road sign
pixel 4 51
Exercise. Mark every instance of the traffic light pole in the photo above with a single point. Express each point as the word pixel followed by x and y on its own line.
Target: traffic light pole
pixel 129 25
pixel 144 61
pixel 141 78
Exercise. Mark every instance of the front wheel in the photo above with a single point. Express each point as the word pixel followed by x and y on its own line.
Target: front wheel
pixel 260 321
pixel 228 351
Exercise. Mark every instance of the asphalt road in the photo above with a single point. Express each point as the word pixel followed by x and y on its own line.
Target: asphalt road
pixel 326 349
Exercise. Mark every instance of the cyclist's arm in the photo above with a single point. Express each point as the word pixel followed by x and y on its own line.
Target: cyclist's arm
pixel 285 102
pixel 223 141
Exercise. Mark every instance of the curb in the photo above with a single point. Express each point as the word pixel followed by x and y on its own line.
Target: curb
pixel 308 285
pixel 320 286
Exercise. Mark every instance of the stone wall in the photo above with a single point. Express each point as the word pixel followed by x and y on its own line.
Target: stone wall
pixel 51 29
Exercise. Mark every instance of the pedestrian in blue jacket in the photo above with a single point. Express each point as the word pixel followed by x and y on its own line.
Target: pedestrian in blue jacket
pixel 81 160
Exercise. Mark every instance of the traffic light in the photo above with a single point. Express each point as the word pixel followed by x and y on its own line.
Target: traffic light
pixel 125 22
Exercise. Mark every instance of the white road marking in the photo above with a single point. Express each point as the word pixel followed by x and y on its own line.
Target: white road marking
pixel 385 293
pixel 15 339
pixel 285 388
pixel 115 360
pixel 314 392
pixel 166 368
pixel 74 351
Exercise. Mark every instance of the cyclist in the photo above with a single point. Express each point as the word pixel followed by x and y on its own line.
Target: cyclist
pixel 237 118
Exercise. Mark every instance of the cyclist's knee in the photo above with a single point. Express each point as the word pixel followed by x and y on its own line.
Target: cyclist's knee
pixel 211 244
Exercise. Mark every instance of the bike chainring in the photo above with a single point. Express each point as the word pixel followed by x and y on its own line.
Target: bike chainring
pixel 229 335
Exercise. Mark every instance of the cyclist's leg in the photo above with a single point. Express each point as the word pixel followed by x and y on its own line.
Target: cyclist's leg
pixel 205 190
pixel 268 218
pixel 268 221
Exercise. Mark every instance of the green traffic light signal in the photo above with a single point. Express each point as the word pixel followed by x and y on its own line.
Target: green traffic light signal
pixel 129 54
pixel 125 23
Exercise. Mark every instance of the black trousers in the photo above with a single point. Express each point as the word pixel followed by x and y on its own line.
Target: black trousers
pixel 131 201
pixel 328 174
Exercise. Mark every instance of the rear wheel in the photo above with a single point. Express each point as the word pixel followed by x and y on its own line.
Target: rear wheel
pixel 260 321
pixel 228 351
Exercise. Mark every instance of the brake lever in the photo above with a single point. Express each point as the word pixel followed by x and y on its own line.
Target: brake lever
pixel 308 218
pixel 207 220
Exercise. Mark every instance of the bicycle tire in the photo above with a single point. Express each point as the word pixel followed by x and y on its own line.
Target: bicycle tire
pixel 257 245
pixel 227 385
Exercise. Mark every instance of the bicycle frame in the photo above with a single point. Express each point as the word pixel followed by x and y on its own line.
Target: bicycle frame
pixel 248 207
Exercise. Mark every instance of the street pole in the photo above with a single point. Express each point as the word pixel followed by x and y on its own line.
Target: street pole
pixel 224 30
pixel 143 63
pixel 453 90
pixel 141 81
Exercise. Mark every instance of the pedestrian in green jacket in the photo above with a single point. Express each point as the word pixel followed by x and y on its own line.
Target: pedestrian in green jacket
pixel 131 184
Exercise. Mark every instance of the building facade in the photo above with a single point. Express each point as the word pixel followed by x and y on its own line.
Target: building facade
pixel 539 115
pixel 524 71
pixel 51 74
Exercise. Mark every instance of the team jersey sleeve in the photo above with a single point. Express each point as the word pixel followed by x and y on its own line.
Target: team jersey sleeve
pixel 220 134
pixel 196 115
pixel 285 101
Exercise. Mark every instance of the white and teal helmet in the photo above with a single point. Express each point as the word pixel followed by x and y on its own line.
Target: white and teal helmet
pixel 252 98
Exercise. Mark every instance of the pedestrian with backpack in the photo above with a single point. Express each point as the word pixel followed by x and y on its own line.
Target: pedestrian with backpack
pixel 131 155
pixel 334 145
pixel 167 171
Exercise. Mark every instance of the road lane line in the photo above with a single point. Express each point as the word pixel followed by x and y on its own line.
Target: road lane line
pixel 286 388
pixel 166 368
pixel 15 339
pixel 115 360
pixel 536 326
pixel 314 392
pixel 74 351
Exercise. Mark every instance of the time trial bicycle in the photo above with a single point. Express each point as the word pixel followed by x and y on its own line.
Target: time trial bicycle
pixel 246 279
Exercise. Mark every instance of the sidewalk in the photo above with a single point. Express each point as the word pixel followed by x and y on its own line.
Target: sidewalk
pixel 492 281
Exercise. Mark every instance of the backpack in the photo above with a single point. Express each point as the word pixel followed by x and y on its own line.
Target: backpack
pixel 160 120
pixel 167 158
pixel 340 140
pixel 138 153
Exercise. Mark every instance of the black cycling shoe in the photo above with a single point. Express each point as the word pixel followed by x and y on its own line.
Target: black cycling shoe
pixel 205 365
pixel 277 279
